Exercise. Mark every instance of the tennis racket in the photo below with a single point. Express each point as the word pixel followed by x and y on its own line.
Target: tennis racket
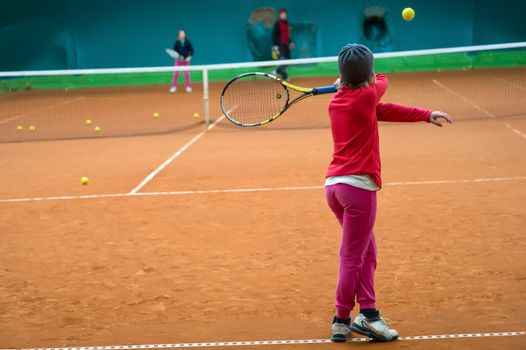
pixel 254 99
pixel 172 53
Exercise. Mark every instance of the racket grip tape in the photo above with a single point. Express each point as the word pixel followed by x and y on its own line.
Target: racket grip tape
pixel 324 90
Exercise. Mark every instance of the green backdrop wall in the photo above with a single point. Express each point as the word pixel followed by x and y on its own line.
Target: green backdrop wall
pixel 61 34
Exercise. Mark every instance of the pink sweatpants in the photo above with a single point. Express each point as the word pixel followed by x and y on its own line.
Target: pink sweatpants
pixel 186 73
pixel 355 209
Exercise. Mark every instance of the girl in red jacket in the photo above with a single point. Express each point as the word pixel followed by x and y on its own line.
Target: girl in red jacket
pixel 352 180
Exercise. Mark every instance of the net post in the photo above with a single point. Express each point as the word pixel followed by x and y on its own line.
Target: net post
pixel 205 96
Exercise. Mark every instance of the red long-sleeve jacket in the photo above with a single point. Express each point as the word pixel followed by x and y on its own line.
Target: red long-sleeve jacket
pixel 354 115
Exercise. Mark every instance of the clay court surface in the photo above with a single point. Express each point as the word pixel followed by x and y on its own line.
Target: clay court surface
pixel 176 262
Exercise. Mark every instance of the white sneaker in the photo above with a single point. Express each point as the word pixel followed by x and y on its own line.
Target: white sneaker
pixel 340 330
pixel 188 89
pixel 173 89
pixel 377 329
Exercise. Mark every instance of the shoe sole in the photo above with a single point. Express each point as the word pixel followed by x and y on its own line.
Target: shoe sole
pixel 357 329
pixel 338 339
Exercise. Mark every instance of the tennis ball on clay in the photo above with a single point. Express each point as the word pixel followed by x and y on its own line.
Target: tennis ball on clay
pixel 156 115
pixel 32 128
pixel 84 180
pixel 97 129
pixel 88 121
pixel 408 14
pixel 19 128
pixel 196 115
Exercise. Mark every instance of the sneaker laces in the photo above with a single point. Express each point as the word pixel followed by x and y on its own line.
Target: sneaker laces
pixel 383 325
pixel 385 320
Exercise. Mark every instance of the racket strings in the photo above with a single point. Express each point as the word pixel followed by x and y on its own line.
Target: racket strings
pixel 254 99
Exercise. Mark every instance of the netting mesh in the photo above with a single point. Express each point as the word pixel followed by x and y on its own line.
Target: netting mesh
pixel 471 84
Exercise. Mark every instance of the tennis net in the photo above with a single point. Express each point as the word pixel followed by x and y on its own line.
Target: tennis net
pixel 476 82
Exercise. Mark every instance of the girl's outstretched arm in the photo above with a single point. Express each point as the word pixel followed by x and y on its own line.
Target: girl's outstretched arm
pixel 391 112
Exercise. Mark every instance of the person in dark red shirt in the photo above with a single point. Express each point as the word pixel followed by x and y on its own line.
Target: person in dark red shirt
pixel 351 183
pixel 282 42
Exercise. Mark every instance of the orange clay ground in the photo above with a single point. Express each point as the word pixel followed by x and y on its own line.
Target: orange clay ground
pixel 260 265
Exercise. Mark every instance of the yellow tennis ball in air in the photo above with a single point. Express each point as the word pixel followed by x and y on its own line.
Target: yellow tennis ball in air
pixel 84 180
pixel 97 129
pixel 32 128
pixel 88 121
pixel 408 14
pixel 196 115
pixel 156 115
pixel 19 128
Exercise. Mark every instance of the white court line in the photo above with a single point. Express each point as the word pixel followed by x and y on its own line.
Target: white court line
pixel 473 104
pixel 438 182
pixel 515 130
pixel 476 106
pixel 517 86
pixel 277 342
pixel 173 157
pixel 12 118
pixel 18 116
pixel 245 190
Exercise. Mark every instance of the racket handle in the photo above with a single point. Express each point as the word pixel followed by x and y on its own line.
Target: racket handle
pixel 324 90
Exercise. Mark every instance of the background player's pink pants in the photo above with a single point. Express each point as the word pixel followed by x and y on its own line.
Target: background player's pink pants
pixel 186 73
pixel 356 211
